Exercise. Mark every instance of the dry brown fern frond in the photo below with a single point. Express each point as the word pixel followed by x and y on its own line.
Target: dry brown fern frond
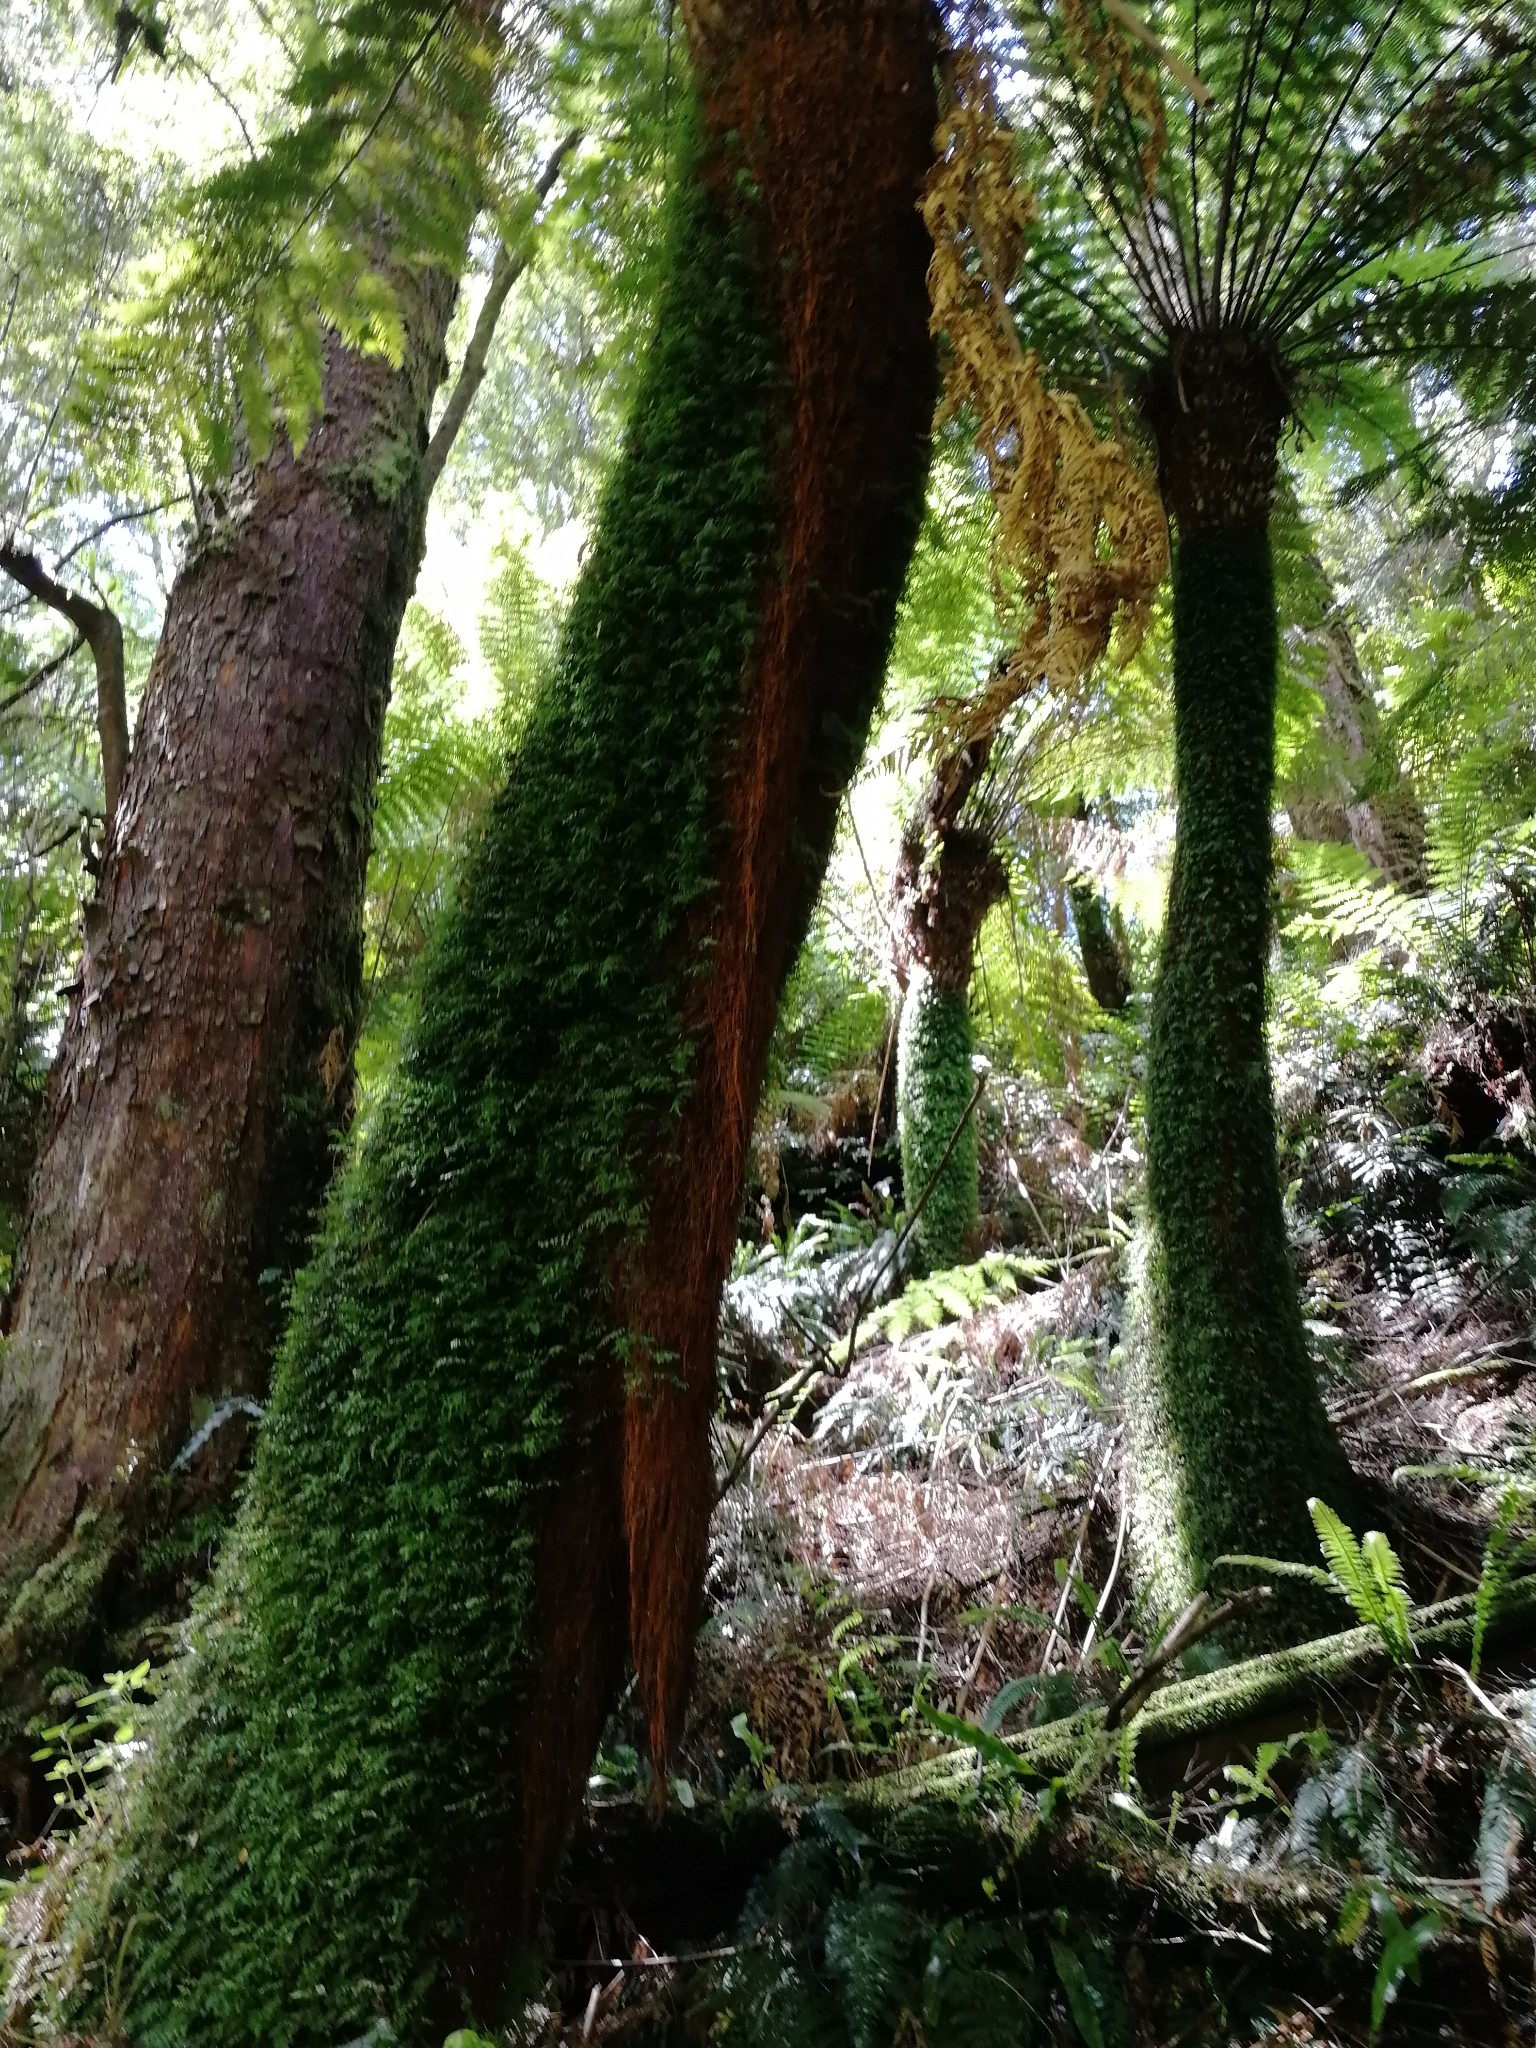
pixel 1081 543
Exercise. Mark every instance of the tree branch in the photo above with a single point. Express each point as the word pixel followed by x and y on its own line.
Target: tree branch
pixel 41 675
pixel 506 269
pixel 99 626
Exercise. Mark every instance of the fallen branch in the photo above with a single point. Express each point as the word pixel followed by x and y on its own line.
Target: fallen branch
pixel 1485 1367
pixel 1198 1621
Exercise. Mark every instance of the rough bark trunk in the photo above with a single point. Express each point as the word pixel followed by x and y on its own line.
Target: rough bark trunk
pixel 1229 1430
pixel 205 1066
pixel 485 1468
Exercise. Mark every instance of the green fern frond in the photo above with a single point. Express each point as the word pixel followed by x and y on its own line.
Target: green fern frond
pixel 1368 1575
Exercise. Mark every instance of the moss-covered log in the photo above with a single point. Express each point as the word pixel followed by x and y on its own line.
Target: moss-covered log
pixel 484 1475
pixel 1230 1437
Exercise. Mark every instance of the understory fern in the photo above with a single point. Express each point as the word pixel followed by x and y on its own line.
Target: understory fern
pixel 1365 1571
pixel 838 1949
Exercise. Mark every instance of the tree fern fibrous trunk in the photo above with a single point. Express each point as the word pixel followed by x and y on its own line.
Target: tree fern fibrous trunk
pixel 947 878
pixel 1102 945
pixel 1229 1433
pixel 484 1478
pixel 204 1071
pixel 934 1084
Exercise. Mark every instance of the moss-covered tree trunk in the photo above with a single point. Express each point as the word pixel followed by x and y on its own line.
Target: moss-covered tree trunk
pixel 484 1476
pixel 1230 1437
pixel 1106 968
pixel 947 878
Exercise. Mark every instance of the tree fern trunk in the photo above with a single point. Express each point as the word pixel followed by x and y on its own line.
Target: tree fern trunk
pixel 947 879
pixel 1230 1437
pixel 934 1083
pixel 1101 946
pixel 485 1471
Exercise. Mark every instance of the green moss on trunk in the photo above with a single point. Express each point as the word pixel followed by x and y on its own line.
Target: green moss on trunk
pixel 328 1830
pixel 1229 1431
pixel 934 1083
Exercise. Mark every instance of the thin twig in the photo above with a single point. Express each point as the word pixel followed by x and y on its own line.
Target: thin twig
pixel 922 1620
pixel 507 267
pixel 1077 1555
pixel 885 1070
pixel 989 1622
pixel 698 1955
pixel 1109 1584
pixel 1198 1620
pixel 39 676
pixel 1429 1383
pixel 117 519
pixel 1511 1727
pixel 323 197
pixel 864 864
pixel 769 1417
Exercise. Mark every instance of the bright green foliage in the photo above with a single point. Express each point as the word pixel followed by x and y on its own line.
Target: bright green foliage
pixel 1342 192
pixel 328 1792
pixel 934 1085
pixel 1230 1435
pixel 953 1293
pixel 572 339
pixel 47 780
pixel 438 772
pixel 390 113
pixel 1369 1576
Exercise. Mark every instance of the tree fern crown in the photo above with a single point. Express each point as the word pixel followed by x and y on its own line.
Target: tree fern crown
pixel 1303 198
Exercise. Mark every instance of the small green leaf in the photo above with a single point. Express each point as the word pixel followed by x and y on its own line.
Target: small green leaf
pixel 1083 1997
pixel 1399 1957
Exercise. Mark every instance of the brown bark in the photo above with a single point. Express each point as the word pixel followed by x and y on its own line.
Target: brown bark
pixel 205 1065
pixel 834 107
pixel 100 628
pixel 948 876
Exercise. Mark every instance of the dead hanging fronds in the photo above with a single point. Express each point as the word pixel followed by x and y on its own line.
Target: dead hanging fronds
pixel 1114 52
pixel 1081 543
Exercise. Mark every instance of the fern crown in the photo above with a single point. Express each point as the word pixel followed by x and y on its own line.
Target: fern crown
pixel 1344 187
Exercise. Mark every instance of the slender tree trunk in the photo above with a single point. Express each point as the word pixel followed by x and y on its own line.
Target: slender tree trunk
pixel 485 1470
pixel 1366 800
pixel 206 1061
pixel 1230 1434
pixel 1101 942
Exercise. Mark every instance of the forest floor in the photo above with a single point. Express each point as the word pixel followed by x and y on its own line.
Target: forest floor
pixel 924 1552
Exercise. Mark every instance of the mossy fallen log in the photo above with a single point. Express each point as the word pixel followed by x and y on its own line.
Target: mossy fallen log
pixel 1214 1702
